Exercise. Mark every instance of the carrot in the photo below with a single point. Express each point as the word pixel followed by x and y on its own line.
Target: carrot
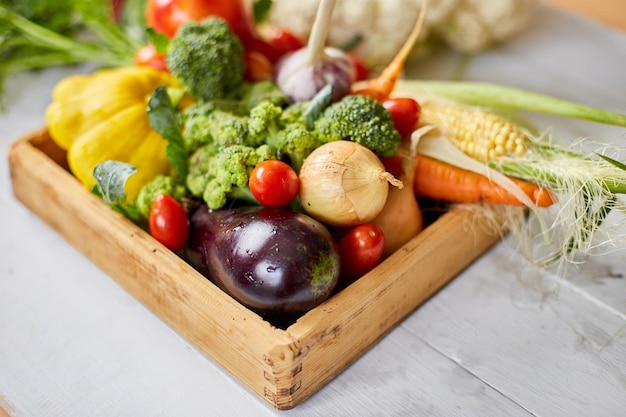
pixel 441 181
pixel 380 88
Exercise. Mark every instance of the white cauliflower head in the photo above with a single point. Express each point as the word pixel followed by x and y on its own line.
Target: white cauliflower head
pixel 467 25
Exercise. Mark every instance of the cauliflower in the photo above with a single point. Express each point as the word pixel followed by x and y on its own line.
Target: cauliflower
pixel 465 25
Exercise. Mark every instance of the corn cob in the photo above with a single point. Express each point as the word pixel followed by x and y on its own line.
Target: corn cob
pixel 480 134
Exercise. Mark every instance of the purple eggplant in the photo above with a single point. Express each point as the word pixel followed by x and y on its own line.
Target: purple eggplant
pixel 276 262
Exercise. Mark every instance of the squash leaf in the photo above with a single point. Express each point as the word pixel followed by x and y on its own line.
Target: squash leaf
pixel 164 120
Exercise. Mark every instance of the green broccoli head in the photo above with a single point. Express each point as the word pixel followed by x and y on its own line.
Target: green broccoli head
pixel 264 120
pixel 219 174
pixel 284 131
pixel 161 184
pixel 360 119
pixel 204 124
pixel 207 58
pixel 254 93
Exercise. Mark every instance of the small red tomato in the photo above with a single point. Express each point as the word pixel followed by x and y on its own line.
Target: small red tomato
pixel 361 249
pixel 167 16
pixel 360 68
pixel 405 113
pixel 147 55
pixel 168 222
pixel 285 42
pixel 274 183
pixel 258 67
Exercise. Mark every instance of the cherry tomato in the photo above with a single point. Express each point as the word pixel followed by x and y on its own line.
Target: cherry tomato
pixel 361 71
pixel 166 16
pixel 274 183
pixel 258 67
pixel 147 55
pixel 168 222
pixel 285 42
pixel 361 249
pixel 405 113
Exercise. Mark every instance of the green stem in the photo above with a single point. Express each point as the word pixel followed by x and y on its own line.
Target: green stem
pixel 498 96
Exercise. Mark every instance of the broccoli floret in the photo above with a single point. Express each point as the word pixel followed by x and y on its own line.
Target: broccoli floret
pixel 254 93
pixel 284 131
pixel 219 174
pixel 161 184
pixel 360 119
pixel 204 124
pixel 207 58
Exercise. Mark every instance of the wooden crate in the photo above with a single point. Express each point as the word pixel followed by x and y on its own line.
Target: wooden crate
pixel 284 367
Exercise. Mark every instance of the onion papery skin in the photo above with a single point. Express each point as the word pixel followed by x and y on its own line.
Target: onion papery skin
pixel 343 184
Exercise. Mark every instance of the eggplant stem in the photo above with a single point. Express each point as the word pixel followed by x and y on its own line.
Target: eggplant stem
pixel 319 32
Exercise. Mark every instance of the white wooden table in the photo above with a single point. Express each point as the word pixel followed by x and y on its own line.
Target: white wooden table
pixel 503 339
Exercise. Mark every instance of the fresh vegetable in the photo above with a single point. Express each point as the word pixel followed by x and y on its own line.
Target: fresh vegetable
pixel 217 175
pixel 257 67
pixel 441 181
pixel 39 34
pixel 405 112
pixel 467 27
pixel 159 185
pixel 168 222
pixel 274 183
pixel 344 184
pixel 284 130
pixel 380 87
pixel 148 55
pixel 303 73
pixel 362 120
pixel 585 185
pixel 102 116
pixel 481 134
pixel 401 218
pixel 284 42
pixel 276 262
pixel 207 58
pixel 361 249
pixel 167 16
pixel 204 124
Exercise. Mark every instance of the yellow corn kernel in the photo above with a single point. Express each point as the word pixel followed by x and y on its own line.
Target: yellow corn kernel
pixel 479 133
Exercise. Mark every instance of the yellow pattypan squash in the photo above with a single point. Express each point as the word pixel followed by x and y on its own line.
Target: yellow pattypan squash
pixel 103 116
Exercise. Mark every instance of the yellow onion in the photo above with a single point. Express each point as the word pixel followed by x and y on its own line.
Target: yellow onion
pixel 344 184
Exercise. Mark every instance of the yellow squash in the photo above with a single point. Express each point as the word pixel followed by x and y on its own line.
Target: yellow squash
pixel 103 116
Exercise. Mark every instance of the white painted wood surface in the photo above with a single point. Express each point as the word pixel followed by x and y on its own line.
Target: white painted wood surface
pixel 501 340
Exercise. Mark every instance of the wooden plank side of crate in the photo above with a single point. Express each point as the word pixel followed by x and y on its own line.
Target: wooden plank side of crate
pixel 354 319
pixel 239 340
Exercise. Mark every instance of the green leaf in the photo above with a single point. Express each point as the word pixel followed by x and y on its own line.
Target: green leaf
pixel 319 102
pixel 111 177
pixel 160 41
pixel 163 119
pixel 612 161
pixel 260 10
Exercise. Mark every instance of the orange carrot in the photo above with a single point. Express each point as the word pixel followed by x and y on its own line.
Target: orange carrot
pixel 380 88
pixel 441 181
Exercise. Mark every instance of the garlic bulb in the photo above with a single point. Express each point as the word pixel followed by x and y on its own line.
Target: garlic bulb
pixel 344 184
pixel 303 73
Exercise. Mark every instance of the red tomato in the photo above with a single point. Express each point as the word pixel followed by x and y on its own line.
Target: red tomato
pixel 258 67
pixel 166 16
pixel 147 55
pixel 405 113
pixel 168 222
pixel 360 68
pixel 285 42
pixel 361 249
pixel 274 183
